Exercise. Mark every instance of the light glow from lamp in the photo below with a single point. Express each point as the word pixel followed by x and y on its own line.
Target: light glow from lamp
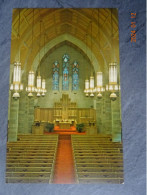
pixel 30 87
pixel 91 82
pixel 87 84
pixel 17 73
pixel 38 88
pixel 91 90
pixel 113 86
pixel 99 87
pixel 16 86
pixel 113 73
pixel 99 79
pixel 43 87
pixel 31 78
pixel 86 91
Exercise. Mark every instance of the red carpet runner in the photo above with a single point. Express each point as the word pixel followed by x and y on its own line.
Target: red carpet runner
pixel 64 165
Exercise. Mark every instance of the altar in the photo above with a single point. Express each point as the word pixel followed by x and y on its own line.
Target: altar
pixel 64 125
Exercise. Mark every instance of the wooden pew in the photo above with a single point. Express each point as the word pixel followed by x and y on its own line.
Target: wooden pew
pixel 31 159
pixel 28 180
pixel 100 175
pixel 97 159
pixel 28 169
pixel 101 180
pixel 99 169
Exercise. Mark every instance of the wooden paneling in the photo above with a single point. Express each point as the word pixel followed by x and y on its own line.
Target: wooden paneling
pixel 81 115
pixel 86 115
pixel 44 114
pixel 65 110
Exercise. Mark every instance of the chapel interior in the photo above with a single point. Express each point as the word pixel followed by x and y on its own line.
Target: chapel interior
pixel 64 113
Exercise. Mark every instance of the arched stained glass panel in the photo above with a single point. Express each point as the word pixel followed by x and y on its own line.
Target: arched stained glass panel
pixel 56 75
pixel 65 78
pixel 75 76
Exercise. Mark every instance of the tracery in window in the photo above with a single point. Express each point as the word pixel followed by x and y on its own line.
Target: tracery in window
pixel 65 78
pixel 75 76
pixel 56 75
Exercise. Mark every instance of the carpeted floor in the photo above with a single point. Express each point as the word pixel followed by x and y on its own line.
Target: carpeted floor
pixel 64 166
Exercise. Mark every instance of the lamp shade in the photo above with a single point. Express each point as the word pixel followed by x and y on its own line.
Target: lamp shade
pixel 16 86
pixel 43 87
pixel 38 82
pixel 30 88
pixel 87 84
pixel 38 87
pixel 99 79
pixel 43 83
pixel 17 73
pixel 113 73
pixel 91 82
pixel 31 78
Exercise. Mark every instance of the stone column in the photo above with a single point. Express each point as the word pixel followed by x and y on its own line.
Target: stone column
pixel 107 125
pixel 13 121
pixel 30 114
pixel 99 116
pixel 116 120
pixel 23 114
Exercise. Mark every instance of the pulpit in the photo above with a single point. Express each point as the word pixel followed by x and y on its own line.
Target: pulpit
pixel 91 128
pixel 38 130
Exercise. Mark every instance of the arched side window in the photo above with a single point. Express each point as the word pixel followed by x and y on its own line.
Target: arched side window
pixel 56 75
pixel 75 76
pixel 65 78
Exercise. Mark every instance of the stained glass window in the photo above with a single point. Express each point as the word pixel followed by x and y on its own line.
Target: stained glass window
pixel 65 79
pixel 56 75
pixel 75 76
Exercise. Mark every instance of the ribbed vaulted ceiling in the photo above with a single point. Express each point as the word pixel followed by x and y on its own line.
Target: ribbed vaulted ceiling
pixel 96 28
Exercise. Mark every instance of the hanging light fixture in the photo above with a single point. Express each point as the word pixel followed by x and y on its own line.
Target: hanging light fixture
pixel 99 76
pixel 38 85
pixel 17 86
pixel 86 91
pixel 99 87
pixel 89 86
pixel 31 76
pixel 43 87
pixel 112 86
pixel 43 80
pixel 31 88
pixel 92 88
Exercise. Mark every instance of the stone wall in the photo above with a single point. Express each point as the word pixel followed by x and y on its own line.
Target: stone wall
pixel 85 70
pixel 108 116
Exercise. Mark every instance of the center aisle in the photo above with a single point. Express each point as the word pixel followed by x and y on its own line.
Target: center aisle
pixel 64 166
